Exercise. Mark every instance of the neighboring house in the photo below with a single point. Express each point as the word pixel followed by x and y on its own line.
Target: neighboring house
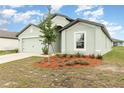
pixel 117 42
pixel 8 40
pixel 74 36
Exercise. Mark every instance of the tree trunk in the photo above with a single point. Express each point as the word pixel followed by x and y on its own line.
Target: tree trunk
pixel 58 60
pixel 48 56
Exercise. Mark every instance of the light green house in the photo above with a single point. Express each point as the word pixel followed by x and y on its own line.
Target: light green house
pixel 74 36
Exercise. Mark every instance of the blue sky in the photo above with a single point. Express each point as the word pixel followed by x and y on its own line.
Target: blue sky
pixel 16 17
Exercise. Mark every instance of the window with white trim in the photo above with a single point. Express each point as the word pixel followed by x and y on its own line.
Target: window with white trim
pixel 79 40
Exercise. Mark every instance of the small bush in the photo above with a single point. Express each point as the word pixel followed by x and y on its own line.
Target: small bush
pixel 81 62
pixel 70 55
pixel 99 57
pixel 45 50
pixel 75 62
pixel 78 54
pixel 59 55
pixel 70 63
pixel 83 55
pixel 64 55
pixel 92 56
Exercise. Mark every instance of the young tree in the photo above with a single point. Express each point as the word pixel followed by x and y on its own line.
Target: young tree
pixel 48 32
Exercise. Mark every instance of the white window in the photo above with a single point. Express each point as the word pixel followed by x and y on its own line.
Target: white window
pixel 79 41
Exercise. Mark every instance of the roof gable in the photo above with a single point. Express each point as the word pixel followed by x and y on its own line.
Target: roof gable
pixel 88 22
pixel 26 28
pixel 72 22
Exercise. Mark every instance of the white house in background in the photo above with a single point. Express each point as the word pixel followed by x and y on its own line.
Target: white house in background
pixel 117 42
pixel 8 40
pixel 74 36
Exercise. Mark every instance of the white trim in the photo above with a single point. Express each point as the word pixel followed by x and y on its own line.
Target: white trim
pixel 84 49
pixel 29 37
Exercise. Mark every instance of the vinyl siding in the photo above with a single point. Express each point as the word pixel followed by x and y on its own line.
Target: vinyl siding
pixel 8 44
pixel 103 43
pixel 96 40
pixel 68 38
pixel 61 21
pixel 34 32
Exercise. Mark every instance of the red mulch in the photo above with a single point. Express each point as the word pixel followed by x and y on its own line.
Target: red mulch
pixel 44 63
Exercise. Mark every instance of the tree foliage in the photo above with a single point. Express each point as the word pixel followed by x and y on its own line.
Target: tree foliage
pixel 48 31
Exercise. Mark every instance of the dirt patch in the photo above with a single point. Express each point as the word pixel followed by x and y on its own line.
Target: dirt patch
pixel 56 62
pixel 113 68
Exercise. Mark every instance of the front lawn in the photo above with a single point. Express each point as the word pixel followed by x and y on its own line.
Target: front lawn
pixel 4 52
pixel 116 56
pixel 23 73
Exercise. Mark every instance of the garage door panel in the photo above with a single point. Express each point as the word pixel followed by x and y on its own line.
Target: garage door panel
pixel 32 45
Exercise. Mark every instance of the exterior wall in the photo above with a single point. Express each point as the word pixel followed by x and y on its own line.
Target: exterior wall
pixel 96 40
pixel 103 43
pixel 68 39
pixel 34 32
pixel 8 44
pixel 61 21
pixel 30 32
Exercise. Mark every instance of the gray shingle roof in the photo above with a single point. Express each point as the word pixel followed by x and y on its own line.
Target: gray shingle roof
pixel 68 18
pixel 72 22
pixel 89 22
pixel 7 34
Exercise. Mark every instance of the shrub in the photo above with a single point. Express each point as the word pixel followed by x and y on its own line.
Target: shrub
pixel 69 55
pixel 45 50
pixel 13 51
pixel 81 62
pixel 59 55
pixel 78 54
pixel 99 57
pixel 83 55
pixel 64 55
pixel 92 56
pixel 69 63
pixel 74 62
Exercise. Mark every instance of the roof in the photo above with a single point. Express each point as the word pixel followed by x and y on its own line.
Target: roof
pixel 68 18
pixel 25 29
pixel 117 40
pixel 72 22
pixel 89 22
pixel 7 34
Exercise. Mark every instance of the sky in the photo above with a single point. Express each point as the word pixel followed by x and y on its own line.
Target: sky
pixel 15 17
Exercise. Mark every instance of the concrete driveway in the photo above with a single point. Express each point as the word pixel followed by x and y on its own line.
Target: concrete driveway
pixel 16 56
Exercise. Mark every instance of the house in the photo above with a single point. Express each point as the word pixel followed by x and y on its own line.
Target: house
pixel 117 42
pixel 74 36
pixel 8 40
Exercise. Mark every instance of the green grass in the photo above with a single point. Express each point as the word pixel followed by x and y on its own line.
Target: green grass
pixel 116 56
pixel 4 52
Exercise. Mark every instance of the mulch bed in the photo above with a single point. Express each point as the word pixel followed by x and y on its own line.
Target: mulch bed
pixel 59 62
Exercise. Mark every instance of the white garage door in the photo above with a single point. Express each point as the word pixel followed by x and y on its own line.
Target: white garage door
pixel 31 45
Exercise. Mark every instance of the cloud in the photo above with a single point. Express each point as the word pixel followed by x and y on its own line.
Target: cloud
pixel 26 16
pixel 95 14
pixel 82 8
pixel 15 6
pixel 3 24
pixel 8 12
pixel 55 8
